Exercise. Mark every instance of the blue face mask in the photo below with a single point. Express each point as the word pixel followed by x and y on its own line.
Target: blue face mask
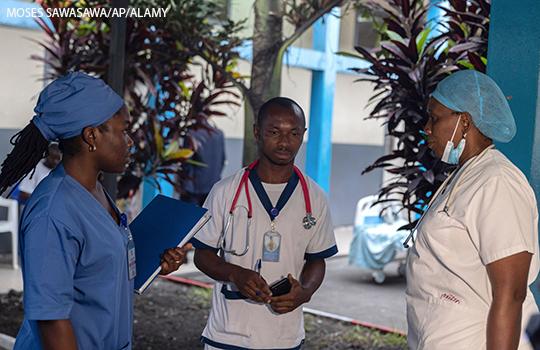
pixel 451 155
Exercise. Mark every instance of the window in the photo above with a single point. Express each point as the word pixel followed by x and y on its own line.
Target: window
pixel 366 33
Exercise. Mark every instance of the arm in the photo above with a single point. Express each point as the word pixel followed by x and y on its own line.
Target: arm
pixel 50 265
pixel 312 276
pixel 301 292
pixel 57 334
pixel 248 282
pixel 508 277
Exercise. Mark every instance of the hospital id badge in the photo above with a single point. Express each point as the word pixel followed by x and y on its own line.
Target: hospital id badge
pixel 132 266
pixel 271 246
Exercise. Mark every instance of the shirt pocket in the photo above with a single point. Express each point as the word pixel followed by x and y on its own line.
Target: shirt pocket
pixel 450 326
pixel 126 347
pixel 291 324
pixel 27 338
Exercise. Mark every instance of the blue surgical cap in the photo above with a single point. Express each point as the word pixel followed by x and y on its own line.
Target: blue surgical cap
pixel 477 94
pixel 73 102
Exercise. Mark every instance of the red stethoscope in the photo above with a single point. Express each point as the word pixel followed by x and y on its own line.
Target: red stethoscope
pixel 308 221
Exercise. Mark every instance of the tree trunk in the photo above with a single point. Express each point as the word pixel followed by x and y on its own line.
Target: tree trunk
pixel 265 68
pixel 250 146
pixel 269 47
pixel 115 75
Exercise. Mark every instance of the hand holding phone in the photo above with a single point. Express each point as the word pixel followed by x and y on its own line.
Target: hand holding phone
pixel 287 295
pixel 281 287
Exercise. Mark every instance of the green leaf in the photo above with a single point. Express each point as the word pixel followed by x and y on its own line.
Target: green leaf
pixel 421 40
pixel 194 162
pixel 465 64
pixel 180 154
pixel 394 36
pixel 171 148
pixel 158 138
pixel 465 28
pixel 185 90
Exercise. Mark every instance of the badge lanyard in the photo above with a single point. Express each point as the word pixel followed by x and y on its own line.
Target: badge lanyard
pixel 131 260
pixel 272 238
pixel 308 221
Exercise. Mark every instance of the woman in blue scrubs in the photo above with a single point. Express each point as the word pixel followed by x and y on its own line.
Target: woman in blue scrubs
pixel 78 288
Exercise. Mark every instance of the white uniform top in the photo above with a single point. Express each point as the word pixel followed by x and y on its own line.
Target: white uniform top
pixel 491 214
pixel 239 323
pixel 28 185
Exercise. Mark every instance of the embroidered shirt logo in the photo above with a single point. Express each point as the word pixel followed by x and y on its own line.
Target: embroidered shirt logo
pixel 450 297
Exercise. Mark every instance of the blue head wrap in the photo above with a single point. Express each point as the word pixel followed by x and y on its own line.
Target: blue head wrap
pixel 477 94
pixel 73 102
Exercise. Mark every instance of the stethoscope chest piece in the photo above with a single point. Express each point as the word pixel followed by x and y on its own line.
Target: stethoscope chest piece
pixel 309 221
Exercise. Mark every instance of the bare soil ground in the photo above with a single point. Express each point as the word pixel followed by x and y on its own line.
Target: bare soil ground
pixel 161 323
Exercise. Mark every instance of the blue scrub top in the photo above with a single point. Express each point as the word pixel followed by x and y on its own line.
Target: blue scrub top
pixel 74 263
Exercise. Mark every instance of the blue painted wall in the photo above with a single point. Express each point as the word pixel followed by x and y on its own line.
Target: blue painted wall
pixel 514 63
pixel 323 87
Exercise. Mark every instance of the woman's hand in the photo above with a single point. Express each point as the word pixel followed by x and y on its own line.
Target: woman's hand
pixel 173 258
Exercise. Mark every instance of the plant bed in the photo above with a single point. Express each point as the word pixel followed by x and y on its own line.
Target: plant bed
pixel 172 316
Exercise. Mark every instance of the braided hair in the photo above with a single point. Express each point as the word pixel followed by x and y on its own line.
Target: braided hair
pixel 29 148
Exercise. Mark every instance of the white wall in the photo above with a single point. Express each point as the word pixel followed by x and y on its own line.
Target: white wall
pixel 241 9
pixel 20 86
pixel 233 124
pixel 350 100
pixel 20 76
pixel 349 113
pixel 350 110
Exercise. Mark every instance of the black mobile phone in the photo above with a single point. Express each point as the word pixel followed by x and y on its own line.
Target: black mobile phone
pixel 281 287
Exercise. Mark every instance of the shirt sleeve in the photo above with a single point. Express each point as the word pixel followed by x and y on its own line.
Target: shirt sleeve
pixel 504 219
pixel 323 243
pixel 50 254
pixel 208 236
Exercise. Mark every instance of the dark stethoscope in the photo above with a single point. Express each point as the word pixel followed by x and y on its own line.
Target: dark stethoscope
pixel 308 221
pixel 442 189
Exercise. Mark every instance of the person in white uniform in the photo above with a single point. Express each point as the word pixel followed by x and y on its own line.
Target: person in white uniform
pixel 290 235
pixel 476 247
pixel 29 183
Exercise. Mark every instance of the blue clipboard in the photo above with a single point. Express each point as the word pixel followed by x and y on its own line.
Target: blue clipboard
pixel 164 223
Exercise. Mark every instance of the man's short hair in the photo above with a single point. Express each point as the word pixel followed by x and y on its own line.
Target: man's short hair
pixel 283 102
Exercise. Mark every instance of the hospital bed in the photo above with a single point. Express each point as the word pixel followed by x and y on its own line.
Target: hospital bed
pixel 376 240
